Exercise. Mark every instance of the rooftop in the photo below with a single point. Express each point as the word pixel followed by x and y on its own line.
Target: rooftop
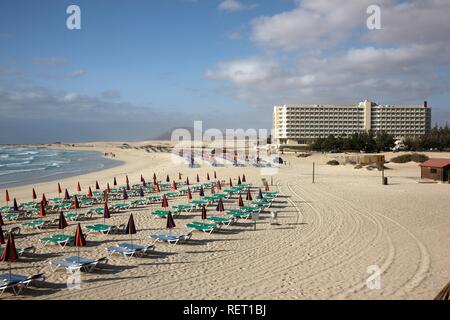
pixel 436 163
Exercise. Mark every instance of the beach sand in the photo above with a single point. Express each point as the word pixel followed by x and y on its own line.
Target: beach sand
pixel 329 234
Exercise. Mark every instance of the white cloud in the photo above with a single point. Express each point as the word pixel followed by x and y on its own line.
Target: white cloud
pixel 234 5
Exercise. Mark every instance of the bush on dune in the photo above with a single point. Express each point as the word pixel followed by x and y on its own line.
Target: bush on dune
pixel 416 157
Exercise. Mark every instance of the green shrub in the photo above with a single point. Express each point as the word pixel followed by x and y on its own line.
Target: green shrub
pixel 416 157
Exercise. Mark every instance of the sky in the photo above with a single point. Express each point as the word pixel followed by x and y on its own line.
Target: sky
pixel 138 68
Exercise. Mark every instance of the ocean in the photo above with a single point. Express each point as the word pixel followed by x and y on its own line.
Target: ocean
pixel 26 165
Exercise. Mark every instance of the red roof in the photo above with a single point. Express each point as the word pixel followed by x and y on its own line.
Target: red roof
pixel 436 163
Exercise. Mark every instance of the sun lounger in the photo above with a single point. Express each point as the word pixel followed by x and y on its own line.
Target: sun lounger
pixel 161 213
pixel 129 250
pixel 105 229
pixel 59 239
pixel 220 220
pixel 36 224
pixel 21 251
pixel 18 283
pixel 171 238
pixel 14 230
pixel 77 263
pixel 204 227
pixel 238 214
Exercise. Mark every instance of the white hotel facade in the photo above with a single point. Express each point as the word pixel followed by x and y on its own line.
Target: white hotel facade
pixel 301 124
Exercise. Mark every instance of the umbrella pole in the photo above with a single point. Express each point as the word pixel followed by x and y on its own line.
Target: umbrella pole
pixel 10 271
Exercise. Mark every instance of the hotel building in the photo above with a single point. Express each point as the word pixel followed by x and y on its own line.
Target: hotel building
pixel 301 124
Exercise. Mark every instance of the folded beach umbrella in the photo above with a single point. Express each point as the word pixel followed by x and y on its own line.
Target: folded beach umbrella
pixel 15 206
pixel 189 194
pixel 220 207
pixel 2 223
pixel 66 195
pixel 42 210
pixel 125 194
pixel 105 196
pixel 106 214
pixel 76 204
pixel 80 240
pixel 127 181
pixel 44 199
pixel 249 195
pixel 187 181
pixel 97 186
pixel 170 222
pixel 174 185
pixel 179 176
pixel 59 189
pixel 165 203
pixel 239 181
pixel 144 184
pixel 108 189
pixel 141 192
pixel 158 190
pixel 89 193
pixel 10 252
pixel 62 222
pixel 78 187
pixel 207 176
pixel 219 186
pixel 231 183
pixel 260 195
pixel 198 178
pixel 204 216
pixel 213 190
pixel 167 178
pixel 34 196
pixel 154 178
pixel 240 201
pixel 2 238
pixel 142 178
pixel 131 228
pixel 267 187
pixel 202 191
pixel 115 181
pixel 243 178
pixel 7 197
pixel 215 175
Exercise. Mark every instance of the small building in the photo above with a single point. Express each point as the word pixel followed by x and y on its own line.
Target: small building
pixel 436 169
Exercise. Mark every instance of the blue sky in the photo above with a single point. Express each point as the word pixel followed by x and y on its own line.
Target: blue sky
pixel 138 67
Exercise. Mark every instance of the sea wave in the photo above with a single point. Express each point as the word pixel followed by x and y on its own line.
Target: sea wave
pixel 3 173
pixel 17 164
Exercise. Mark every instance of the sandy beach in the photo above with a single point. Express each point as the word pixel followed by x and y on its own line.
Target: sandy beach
pixel 329 233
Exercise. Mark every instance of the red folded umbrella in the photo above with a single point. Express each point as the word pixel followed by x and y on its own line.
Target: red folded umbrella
pixel 76 204
pixel 198 179
pixel 78 187
pixel 7 197
pixel 213 190
pixel 105 196
pixel 158 190
pixel 89 193
pixel 154 176
pixel 62 223
pixel 42 210
pixel 243 178
pixel 125 194
pixel 115 181
pixel 249 196
pixel 128 186
pixel 165 203
pixel 1 220
pixel 187 180
pixel 97 186
pixel 179 176
pixel 267 187
pixel 239 181
pixel 142 178
pixel 80 240
pixel 127 181
pixel 219 186
pixel 174 185
pixel 220 207
pixel 15 206
pixel 108 189
pixel 59 189
pixel 240 201
pixel 106 213
pixel 144 184
pixel 167 178
pixel 260 195
pixel 204 216
pixel 44 199
pixel 66 195
pixel 141 192
pixel 201 192
pixel 2 237
pixel 189 194
pixel 207 176
pixel 215 175
pixel 231 183
pixel 10 252
pixel 34 195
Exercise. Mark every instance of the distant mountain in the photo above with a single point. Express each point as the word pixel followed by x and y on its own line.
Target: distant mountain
pixel 167 135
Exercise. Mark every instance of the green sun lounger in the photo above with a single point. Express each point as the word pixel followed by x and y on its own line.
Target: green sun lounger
pixel 160 213
pixel 60 239
pixel 204 227
pixel 220 220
